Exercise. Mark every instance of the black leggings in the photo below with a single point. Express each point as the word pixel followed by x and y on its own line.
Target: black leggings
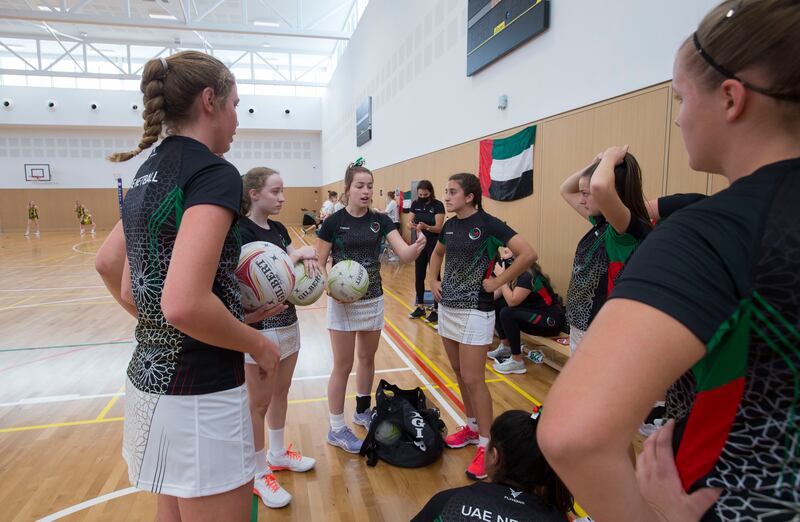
pixel 421 268
pixel 510 320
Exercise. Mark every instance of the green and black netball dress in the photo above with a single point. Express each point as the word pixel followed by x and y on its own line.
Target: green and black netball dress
pixel 728 269
pixel 466 312
pixel 358 239
pixel 186 403
pixel 599 259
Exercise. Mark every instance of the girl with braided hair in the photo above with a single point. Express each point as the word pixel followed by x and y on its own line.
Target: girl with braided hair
pixel 188 434
pixel 714 290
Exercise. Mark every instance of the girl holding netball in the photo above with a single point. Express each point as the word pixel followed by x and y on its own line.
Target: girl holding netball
pixel 356 232
pixel 263 197
pixel 188 435
pixel 469 244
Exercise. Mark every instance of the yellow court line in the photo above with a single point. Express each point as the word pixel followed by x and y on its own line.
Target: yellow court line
pixel 100 419
pixel 419 352
pixel 23 300
pixel 500 375
pixel 513 385
pixel 61 424
pixel 110 404
pixel 83 303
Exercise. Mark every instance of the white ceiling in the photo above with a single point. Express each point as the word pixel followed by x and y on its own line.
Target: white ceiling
pixel 292 36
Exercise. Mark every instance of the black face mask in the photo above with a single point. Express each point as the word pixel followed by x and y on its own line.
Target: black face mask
pixel 424 200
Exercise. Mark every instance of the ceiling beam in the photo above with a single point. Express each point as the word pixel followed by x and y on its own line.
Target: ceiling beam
pixel 59 74
pixel 167 42
pixel 84 19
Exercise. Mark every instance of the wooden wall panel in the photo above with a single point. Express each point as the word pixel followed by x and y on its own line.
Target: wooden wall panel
pixel 680 177
pixel 718 183
pixel 564 144
pixel 56 206
pixel 571 141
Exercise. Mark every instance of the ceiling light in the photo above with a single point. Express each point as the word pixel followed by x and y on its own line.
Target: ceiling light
pixel 47 8
pixel 159 16
pixel 266 24
pixel 265 45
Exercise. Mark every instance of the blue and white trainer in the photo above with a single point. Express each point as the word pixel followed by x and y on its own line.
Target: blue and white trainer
pixel 345 439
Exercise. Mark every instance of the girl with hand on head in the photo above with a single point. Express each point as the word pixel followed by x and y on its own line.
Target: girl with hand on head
pixel 713 290
pixel 608 193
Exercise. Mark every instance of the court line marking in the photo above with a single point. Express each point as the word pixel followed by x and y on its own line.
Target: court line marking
pixel 433 389
pixel 46 303
pixel 57 398
pixel 77 397
pixel 50 289
pixel 111 403
pixel 19 302
pixel 89 503
pixel 401 339
pixel 26 363
pixel 444 404
pixel 352 374
pixel 57 346
pixel 502 377
pixel 61 424
pixel 75 249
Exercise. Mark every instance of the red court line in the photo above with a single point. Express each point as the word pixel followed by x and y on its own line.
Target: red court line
pixel 435 378
pixel 45 358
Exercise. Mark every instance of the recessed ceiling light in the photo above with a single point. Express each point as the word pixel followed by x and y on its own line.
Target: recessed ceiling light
pixel 266 24
pixel 159 16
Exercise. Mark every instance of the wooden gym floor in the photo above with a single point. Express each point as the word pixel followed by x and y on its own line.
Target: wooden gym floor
pixel 64 348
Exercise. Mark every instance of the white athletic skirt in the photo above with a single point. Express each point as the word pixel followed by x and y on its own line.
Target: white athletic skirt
pixel 365 315
pixel 286 337
pixel 575 338
pixel 466 325
pixel 188 445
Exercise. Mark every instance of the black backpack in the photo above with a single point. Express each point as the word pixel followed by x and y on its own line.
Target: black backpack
pixel 403 431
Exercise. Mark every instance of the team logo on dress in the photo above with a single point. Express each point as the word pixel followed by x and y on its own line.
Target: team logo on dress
pixel 375 226
pixel 515 494
pixel 475 233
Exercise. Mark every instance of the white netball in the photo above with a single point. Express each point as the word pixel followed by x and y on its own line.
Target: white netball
pixel 265 273
pixel 307 289
pixel 348 281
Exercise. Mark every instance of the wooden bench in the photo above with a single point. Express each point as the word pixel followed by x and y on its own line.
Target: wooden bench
pixel 555 353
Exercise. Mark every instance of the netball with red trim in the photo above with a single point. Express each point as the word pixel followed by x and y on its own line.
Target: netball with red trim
pixel 265 274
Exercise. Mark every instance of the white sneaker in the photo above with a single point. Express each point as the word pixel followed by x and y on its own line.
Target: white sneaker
pixel 270 492
pixel 290 461
pixel 501 351
pixel 509 366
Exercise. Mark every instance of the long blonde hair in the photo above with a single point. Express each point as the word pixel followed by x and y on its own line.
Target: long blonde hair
pixel 170 86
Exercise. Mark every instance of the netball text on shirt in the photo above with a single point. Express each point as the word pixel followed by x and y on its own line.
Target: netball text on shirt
pixel 147 178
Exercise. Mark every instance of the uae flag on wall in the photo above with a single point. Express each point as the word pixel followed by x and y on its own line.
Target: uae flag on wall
pixel 404 200
pixel 506 166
